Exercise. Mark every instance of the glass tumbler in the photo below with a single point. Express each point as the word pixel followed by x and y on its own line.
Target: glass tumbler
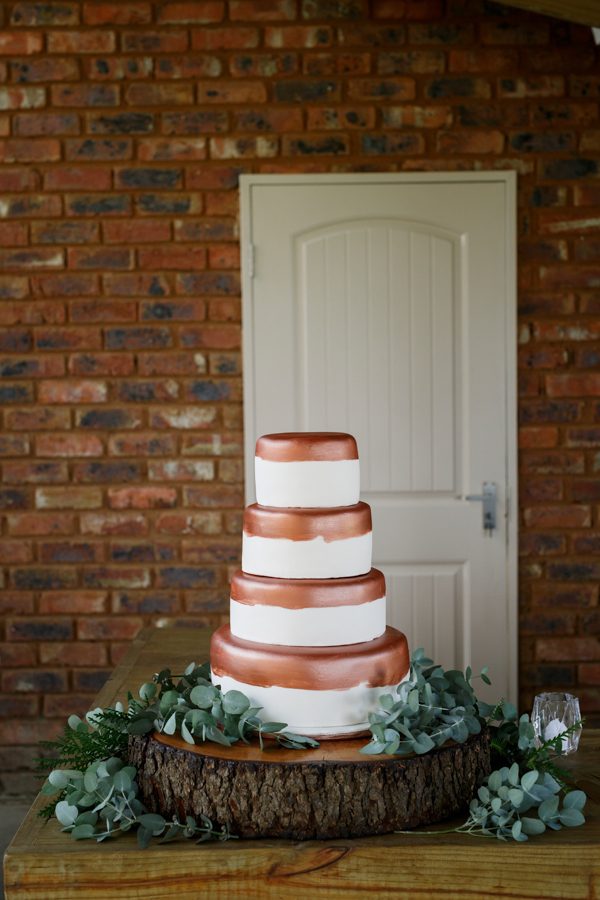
pixel 553 713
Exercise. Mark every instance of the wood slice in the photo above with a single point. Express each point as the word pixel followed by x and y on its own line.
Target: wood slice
pixel 332 792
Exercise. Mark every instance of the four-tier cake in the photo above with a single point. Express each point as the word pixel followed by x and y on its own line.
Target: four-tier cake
pixel 307 639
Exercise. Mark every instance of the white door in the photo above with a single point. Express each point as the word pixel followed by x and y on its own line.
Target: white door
pixel 384 305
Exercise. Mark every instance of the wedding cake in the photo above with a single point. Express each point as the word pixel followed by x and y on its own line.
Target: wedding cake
pixel 307 640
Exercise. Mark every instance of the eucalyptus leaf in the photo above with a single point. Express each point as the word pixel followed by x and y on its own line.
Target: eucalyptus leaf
pixel 571 817
pixel 532 826
pixel 83 831
pixel 235 702
pixel 153 822
pixel 574 800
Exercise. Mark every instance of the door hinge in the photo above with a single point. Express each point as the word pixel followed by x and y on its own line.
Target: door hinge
pixel 251 260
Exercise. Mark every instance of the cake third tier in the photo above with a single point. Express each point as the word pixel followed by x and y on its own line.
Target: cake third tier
pixel 307 543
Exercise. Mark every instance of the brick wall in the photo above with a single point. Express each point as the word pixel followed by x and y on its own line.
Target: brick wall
pixel 123 129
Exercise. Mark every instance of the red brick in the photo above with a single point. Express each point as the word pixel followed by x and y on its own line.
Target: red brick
pixel 54 704
pixel 183 417
pixel 183 309
pixel 489 141
pixel 568 385
pixel 538 86
pixel 135 285
pixel 189 523
pixel 130 13
pixel 85 95
pixel 18 654
pixel 159 94
pixel 100 629
pixel 225 309
pixel 589 673
pixel 538 436
pixel 68 445
pixel 180 258
pixel 506 32
pixel 102 363
pixel 157 149
pixel 570 330
pixel 65 285
pixel 23 97
pixel 17 150
pixel 34 472
pixel 483 60
pixel 142 444
pixel 67 339
pixel 54 232
pixel 72 178
pixel 213 496
pixel 15 551
pixel 223 91
pixel 101 310
pixel 20 43
pixel 565 516
pixel 583 437
pixel 72 392
pixel 392 89
pixel 572 595
pixel 13 234
pixel 295 36
pixel 36 523
pixel 266 11
pixel 563 648
pixel 14 732
pixel 98 41
pixel 71 603
pixel 163 41
pixel 206 12
pixel 111 523
pixel 181 470
pixel 142 497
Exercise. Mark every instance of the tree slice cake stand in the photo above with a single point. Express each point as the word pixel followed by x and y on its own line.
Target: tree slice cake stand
pixel 331 792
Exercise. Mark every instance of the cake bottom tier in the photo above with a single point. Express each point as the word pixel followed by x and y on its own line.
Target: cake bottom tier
pixel 317 691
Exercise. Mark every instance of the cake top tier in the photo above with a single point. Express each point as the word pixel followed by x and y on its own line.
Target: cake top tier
pixel 302 446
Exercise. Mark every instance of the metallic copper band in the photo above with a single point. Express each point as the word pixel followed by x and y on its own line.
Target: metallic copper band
pixel 296 593
pixel 298 446
pixel 377 663
pixel 333 524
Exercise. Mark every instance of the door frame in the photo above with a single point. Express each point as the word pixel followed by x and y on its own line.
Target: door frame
pixel 508 180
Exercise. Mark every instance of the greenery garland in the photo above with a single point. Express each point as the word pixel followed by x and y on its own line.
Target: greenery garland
pixel 98 795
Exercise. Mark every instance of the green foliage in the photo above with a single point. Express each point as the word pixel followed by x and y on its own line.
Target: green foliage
pixel 188 704
pixel 95 793
pixel 194 707
pixel 514 805
pixel 431 707
pixel 513 739
pixel 102 802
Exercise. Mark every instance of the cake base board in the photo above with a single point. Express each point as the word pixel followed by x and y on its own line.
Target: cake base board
pixel 331 792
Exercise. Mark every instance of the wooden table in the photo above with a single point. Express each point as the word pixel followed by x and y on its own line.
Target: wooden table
pixel 45 864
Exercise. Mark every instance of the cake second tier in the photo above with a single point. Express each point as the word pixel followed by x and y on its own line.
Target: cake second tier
pixel 307 543
pixel 317 691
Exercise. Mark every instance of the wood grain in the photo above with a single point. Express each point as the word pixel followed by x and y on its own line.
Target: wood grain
pixel 42 863
pixel 586 12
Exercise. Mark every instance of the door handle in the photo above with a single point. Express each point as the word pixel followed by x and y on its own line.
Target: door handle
pixel 488 501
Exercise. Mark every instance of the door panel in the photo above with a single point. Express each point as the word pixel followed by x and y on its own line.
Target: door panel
pixel 384 306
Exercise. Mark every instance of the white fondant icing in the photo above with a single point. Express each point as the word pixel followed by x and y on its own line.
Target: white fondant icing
pixel 318 626
pixel 308 483
pixel 317 558
pixel 313 712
